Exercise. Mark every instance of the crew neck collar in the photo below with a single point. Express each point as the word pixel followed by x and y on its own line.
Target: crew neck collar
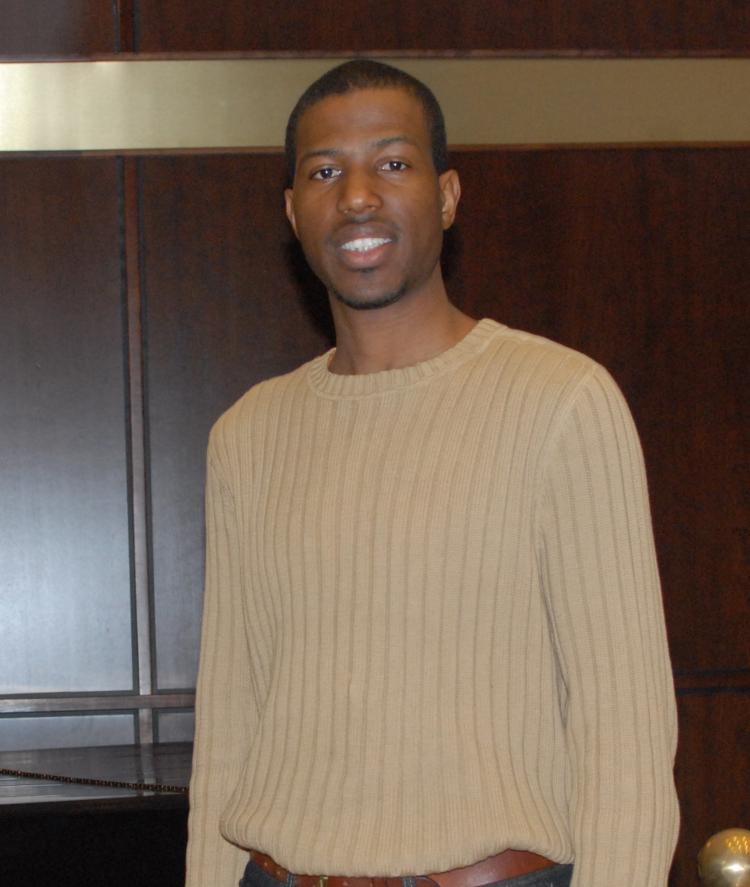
pixel 335 385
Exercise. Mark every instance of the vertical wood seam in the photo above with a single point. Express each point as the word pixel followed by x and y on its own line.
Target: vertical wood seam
pixel 124 14
pixel 136 446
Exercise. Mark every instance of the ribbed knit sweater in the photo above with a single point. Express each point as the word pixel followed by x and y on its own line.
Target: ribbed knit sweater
pixel 432 624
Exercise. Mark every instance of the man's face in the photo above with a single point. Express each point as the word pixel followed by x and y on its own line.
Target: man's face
pixel 367 205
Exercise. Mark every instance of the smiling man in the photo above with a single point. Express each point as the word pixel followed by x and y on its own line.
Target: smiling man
pixel 366 202
pixel 433 646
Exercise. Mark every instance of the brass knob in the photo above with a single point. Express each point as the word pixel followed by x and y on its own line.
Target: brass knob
pixel 724 860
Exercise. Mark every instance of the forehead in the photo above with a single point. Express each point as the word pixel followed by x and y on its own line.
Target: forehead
pixel 360 116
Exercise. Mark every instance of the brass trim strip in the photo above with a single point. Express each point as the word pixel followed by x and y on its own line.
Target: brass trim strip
pixel 139 105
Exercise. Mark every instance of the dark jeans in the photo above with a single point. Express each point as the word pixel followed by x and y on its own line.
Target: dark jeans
pixel 555 876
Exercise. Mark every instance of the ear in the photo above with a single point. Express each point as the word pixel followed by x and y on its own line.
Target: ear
pixel 450 194
pixel 289 206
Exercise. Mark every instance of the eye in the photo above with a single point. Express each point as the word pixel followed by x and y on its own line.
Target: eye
pixel 394 166
pixel 325 173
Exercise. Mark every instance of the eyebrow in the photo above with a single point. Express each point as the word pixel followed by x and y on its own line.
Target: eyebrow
pixel 337 152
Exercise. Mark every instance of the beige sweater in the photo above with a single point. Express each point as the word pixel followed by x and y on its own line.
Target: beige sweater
pixel 432 625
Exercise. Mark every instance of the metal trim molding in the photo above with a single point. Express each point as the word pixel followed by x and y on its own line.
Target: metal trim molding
pixel 241 104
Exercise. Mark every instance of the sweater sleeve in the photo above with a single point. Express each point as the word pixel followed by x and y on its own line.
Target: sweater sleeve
pixel 225 710
pixel 601 582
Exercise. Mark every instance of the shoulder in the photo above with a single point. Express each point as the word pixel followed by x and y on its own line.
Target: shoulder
pixel 574 403
pixel 544 368
pixel 233 432
pixel 555 390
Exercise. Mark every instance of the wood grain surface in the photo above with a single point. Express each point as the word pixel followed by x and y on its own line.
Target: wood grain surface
pixel 604 27
pixel 549 26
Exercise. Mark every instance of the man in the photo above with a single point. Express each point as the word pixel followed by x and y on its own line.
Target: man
pixel 433 637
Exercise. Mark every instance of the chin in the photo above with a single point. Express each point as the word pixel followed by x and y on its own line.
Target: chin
pixel 370 302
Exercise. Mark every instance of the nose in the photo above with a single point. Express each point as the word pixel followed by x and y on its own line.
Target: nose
pixel 358 193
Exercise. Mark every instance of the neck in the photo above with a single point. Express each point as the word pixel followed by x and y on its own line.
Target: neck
pixel 399 335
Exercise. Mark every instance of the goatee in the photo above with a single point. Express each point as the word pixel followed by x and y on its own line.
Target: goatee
pixel 368 304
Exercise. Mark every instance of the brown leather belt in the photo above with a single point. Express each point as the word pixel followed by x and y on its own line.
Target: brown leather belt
pixel 509 864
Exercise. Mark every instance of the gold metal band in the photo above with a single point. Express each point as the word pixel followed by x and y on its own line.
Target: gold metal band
pixel 144 105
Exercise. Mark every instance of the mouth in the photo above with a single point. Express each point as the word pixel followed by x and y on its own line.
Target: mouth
pixel 362 253
pixel 364 244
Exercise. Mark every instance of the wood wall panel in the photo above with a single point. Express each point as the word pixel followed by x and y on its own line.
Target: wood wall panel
pixel 638 27
pixel 59 27
pixel 64 529
pixel 639 258
pixel 224 309
pixel 87 27
pixel 712 773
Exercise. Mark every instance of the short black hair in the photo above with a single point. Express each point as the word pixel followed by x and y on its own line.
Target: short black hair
pixel 368 74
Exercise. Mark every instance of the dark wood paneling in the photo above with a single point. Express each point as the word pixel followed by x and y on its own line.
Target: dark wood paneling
pixel 58 27
pixel 639 258
pixel 126 25
pixel 63 486
pixel 224 309
pixel 712 773
pixel 641 26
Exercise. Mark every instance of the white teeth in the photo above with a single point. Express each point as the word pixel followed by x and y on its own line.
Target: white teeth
pixel 362 244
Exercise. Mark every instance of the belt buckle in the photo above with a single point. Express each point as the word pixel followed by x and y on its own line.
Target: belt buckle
pixel 322 879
